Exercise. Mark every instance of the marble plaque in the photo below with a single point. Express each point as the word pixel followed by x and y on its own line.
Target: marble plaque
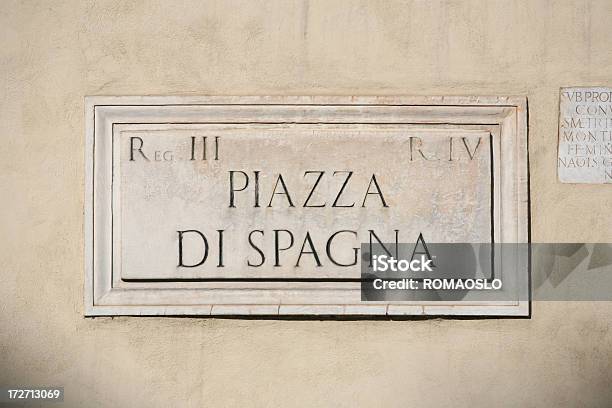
pixel 259 205
pixel 585 135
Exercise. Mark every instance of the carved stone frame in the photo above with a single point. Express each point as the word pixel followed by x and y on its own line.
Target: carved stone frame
pixel 506 117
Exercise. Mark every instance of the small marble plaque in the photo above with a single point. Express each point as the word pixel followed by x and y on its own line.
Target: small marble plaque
pixel 585 135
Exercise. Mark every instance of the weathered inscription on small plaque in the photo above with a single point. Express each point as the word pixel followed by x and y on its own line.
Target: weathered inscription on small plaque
pixel 585 135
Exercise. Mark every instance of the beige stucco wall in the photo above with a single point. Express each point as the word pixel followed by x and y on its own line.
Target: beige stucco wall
pixel 54 53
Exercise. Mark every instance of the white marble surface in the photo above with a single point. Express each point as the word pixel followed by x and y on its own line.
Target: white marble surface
pixel 451 168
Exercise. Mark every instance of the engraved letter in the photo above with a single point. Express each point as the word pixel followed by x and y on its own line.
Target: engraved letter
pixel 180 248
pixel 379 193
pixel 232 189
pixel 139 149
pixel 321 173
pixel 285 192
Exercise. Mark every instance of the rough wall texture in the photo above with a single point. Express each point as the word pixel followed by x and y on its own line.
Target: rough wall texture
pixel 54 53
